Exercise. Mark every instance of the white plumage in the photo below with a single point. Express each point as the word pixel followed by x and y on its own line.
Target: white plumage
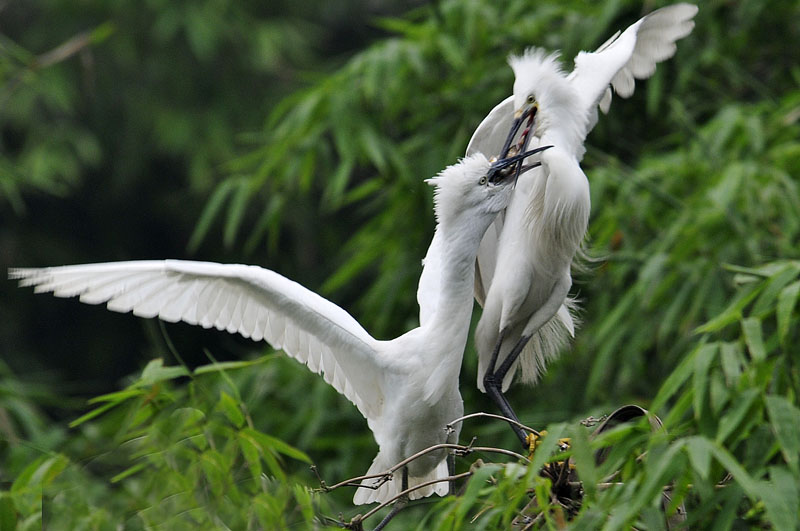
pixel 523 275
pixel 406 388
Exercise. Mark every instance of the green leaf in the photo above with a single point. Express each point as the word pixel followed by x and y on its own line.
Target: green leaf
pixel 117 397
pixel 702 361
pixel 477 482
pixel 8 512
pixel 128 472
pixel 751 327
pixel 269 443
pixel 780 497
pixel 699 455
pixel 210 213
pixel 584 461
pixel 731 360
pixel 372 146
pixel 236 211
pixel 216 471
pixel 219 366
pixel 739 473
pixel 251 455
pixel 155 372
pixel 787 299
pixel 231 409
pixel 39 474
pixel 102 32
pixel 661 469
pixel 93 413
pixel 735 416
pixel 766 300
pixel 733 312
pixel 548 445
pixel 303 495
pixel 785 421
pixel 674 381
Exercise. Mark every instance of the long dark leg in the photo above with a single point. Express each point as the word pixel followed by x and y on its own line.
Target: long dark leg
pixel 399 505
pixel 493 382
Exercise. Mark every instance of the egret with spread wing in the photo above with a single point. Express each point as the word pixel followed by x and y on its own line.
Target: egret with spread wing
pixel 523 275
pixel 406 388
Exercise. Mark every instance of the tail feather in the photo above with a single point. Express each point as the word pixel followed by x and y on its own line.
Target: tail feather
pixel 543 347
pixel 546 345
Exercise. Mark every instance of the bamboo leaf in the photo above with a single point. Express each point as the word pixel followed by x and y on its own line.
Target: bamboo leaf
pixel 780 498
pixel 699 455
pixel 731 359
pixel 733 418
pixel 268 443
pixel 753 337
pixel 733 312
pixel 674 381
pixel 702 361
pixel 155 372
pixel 785 422
pixel 210 213
pixel 236 211
pixel 767 299
pixel 232 365
pixel 787 300
pixel 251 455
pixel 231 409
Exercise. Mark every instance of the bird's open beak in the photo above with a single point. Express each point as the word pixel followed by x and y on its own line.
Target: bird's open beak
pixel 511 152
pixel 524 115
pixel 512 166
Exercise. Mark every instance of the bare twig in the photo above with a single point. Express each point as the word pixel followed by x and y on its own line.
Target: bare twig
pixel 383 477
pixel 60 53
pixel 449 427
pixel 412 489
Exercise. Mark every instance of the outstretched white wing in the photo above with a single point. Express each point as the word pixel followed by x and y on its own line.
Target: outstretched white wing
pixel 631 55
pixel 254 302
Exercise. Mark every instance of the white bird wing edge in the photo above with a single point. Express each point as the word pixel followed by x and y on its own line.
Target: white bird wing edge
pixel 248 300
pixel 631 55
pixel 488 139
pixel 490 134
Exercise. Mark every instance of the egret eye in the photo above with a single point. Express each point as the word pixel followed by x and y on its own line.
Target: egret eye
pixel 530 99
pixel 482 181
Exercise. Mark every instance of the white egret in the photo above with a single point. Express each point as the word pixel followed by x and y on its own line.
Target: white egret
pixel 523 275
pixel 406 388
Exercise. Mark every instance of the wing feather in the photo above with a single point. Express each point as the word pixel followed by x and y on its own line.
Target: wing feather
pixel 630 55
pixel 491 133
pixel 247 300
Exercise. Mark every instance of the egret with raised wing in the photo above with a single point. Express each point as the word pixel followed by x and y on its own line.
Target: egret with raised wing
pixel 406 388
pixel 523 273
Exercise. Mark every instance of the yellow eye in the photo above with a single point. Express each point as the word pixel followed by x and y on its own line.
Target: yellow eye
pixel 482 181
pixel 530 99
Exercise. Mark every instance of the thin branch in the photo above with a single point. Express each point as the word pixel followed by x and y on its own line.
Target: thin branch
pixel 449 427
pixel 62 51
pixel 383 477
pixel 412 489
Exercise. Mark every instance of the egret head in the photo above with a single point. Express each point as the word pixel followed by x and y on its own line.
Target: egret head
pixel 541 87
pixel 477 187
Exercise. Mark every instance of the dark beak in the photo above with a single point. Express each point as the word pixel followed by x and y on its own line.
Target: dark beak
pixel 527 116
pixel 512 166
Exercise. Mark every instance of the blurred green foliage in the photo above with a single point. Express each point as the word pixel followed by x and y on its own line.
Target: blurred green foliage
pixel 173 127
